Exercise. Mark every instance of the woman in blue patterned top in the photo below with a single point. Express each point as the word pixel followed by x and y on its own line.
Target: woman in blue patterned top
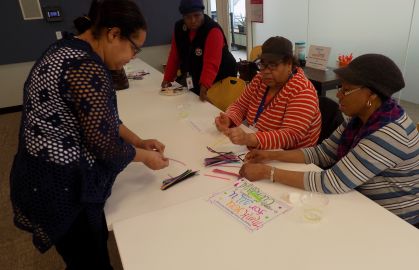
pixel 72 144
pixel 376 152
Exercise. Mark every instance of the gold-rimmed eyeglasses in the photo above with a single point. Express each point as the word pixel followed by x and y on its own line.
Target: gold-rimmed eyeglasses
pixel 347 92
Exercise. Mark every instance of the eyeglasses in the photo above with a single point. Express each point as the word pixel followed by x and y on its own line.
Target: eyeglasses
pixel 135 48
pixel 271 66
pixel 347 92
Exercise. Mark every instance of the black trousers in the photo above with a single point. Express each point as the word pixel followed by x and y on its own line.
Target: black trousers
pixel 84 247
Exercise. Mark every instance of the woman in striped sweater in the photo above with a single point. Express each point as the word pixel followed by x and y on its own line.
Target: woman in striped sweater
pixel 280 104
pixel 376 152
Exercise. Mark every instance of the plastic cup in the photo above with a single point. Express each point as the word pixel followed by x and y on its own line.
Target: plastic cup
pixel 183 110
pixel 313 205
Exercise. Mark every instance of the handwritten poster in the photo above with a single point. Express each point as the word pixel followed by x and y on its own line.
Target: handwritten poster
pixel 256 11
pixel 249 205
pixel 318 56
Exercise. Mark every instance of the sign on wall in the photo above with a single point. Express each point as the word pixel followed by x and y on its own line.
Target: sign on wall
pixel 256 11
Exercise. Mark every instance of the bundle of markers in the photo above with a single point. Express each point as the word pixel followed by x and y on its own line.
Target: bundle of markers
pixel 222 158
pixel 174 180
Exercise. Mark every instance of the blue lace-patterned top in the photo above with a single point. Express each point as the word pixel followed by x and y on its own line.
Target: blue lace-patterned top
pixel 69 150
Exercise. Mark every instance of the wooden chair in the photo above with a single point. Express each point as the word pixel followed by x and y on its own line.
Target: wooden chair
pixel 225 92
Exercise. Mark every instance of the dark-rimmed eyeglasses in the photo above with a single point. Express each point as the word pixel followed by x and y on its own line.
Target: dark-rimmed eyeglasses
pixel 271 66
pixel 135 48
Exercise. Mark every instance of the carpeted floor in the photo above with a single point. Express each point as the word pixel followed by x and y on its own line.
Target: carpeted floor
pixel 16 249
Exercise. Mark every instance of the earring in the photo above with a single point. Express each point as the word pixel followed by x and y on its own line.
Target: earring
pixel 369 104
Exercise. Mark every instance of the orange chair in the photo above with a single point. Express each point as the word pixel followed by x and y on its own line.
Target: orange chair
pixel 225 92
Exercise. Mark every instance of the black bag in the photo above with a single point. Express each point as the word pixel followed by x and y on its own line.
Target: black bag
pixel 247 70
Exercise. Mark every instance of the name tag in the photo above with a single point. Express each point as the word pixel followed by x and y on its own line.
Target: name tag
pixel 189 83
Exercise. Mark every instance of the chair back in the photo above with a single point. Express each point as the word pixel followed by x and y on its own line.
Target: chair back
pixel 225 92
pixel 331 117
pixel 255 53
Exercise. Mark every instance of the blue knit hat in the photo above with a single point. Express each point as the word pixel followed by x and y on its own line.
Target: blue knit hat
pixel 189 6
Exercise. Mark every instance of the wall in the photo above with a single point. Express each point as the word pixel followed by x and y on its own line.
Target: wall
pixel 28 39
pixel 411 91
pixel 24 41
pixel 13 76
pixel 286 18
pixel 358 26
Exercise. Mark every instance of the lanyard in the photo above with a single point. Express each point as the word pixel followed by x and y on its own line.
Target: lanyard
pixel 262 105
pixel 262 102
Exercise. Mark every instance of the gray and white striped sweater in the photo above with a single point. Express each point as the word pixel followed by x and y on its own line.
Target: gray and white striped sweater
pixel 384 166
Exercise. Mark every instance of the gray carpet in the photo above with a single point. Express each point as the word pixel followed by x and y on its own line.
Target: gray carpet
pixel 16 249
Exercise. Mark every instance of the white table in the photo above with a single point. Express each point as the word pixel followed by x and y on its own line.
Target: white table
pixel 151 115
pixel 354 234
pixel 179 229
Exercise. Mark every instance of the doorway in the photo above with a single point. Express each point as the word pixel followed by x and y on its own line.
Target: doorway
pixel 231 15
pixel 238 29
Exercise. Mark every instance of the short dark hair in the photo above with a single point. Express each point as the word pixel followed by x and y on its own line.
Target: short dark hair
pixel 124 14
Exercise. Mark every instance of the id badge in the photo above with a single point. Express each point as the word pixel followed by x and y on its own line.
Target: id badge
pixel 254 128
pixel 189 83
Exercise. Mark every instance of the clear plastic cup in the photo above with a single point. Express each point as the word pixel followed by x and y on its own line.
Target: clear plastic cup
pixel 184 110
pixel 313 205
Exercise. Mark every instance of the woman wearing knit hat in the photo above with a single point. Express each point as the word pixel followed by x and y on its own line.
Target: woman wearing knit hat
pixel 199 49
pixel 376 152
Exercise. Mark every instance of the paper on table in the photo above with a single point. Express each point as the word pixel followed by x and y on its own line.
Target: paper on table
pixel 202 125
pixel 249 205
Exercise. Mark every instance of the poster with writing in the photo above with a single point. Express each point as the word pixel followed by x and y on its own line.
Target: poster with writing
pixel 249 205
pixel 318 56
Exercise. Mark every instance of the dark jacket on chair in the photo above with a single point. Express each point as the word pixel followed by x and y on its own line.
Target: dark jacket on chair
pixel 331 117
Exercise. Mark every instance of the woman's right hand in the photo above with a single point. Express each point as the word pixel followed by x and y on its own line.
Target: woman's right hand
pixel 165 84
pixel 152 159
pixel 258 156
pixel 222 122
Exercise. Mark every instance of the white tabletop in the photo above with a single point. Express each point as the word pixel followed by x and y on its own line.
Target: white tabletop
pixel 151 115
pixel 179 229
pixel 355 233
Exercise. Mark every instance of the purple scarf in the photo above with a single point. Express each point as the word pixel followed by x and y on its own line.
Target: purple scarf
pixel 355 131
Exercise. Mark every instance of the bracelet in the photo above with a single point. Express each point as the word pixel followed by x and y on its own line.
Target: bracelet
pixel 272 174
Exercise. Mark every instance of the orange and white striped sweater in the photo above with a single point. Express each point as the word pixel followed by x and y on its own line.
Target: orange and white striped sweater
pixel 291 120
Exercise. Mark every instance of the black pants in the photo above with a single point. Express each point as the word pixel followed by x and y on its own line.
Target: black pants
pixel 85 248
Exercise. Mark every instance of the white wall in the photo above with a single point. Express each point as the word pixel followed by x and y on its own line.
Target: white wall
pixel 411 91
pixel 357 26
pixel 361 26
pixel 12 77
pixel 286 18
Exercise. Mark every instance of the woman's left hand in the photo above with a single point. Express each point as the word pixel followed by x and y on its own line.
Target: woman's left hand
pixel 255 171
pixel 151 144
